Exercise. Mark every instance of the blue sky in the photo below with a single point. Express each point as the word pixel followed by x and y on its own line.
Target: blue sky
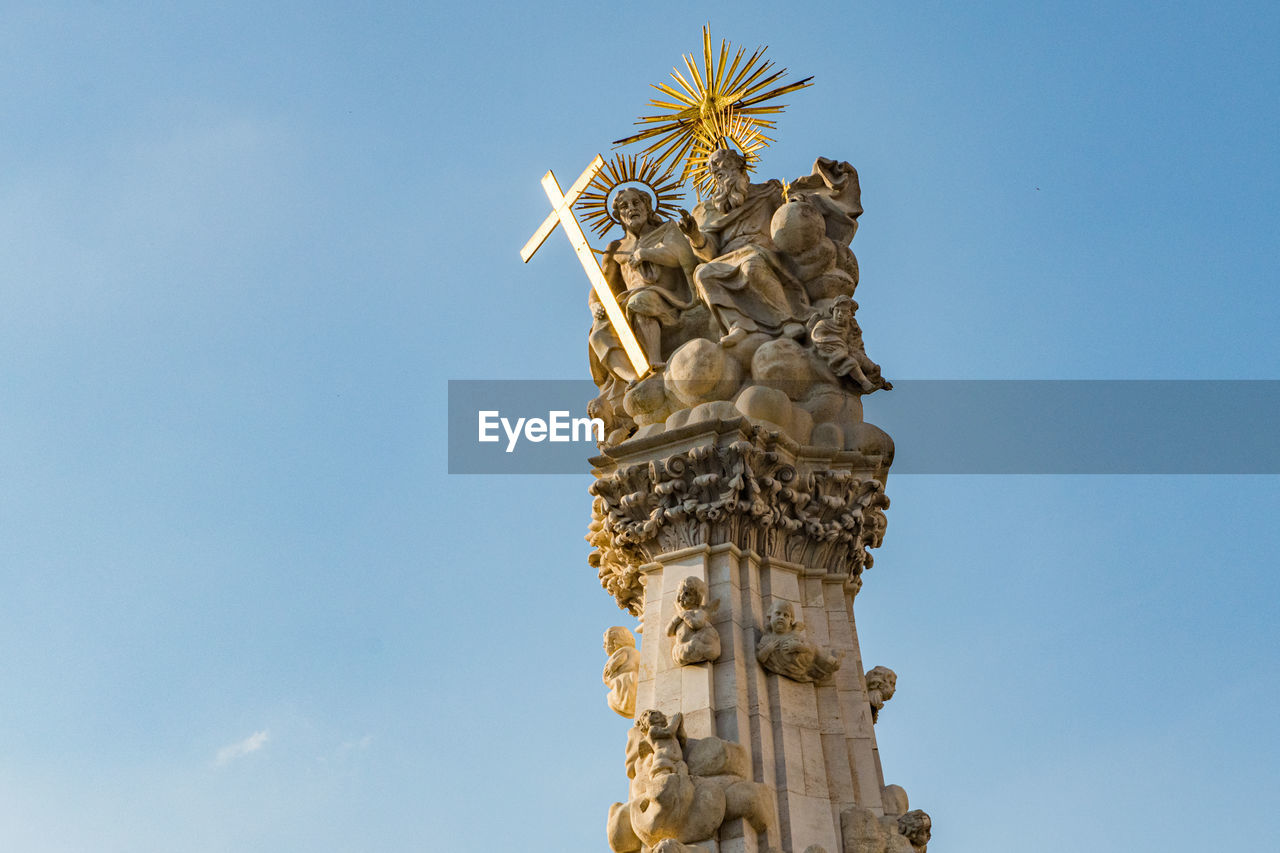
pixel 243 249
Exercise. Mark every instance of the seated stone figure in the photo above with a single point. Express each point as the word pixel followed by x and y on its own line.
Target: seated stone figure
pixel 838 339
pixel 620 670
pixel 697 640
pixel 784 649
pixel 649 269
pixel 743 280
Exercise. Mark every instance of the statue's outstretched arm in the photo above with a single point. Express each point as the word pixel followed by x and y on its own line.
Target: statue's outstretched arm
pixel 704 245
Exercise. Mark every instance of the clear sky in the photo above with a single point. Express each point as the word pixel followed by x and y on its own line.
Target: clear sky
pixel 243 247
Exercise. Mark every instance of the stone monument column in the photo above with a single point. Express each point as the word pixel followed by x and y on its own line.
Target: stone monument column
pixel 763 522
pixel 738 488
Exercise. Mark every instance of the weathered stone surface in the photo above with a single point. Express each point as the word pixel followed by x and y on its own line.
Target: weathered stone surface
pixel 784 365
pixel 700 372
pixel 768 408
pixel 895 800
pixel 799 232
pixel 864 831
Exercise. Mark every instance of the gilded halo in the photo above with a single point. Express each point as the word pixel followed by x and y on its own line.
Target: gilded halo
pixel 716 106
pixel 728 130
pixel 596 201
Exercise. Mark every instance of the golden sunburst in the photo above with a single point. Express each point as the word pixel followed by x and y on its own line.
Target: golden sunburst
pixel 729 130
pixel 594 203
pixel 712 102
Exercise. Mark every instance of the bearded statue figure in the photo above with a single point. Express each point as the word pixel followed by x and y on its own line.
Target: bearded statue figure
pixel 743 279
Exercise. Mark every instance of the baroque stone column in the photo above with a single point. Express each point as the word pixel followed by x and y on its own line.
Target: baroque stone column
pixel 760 520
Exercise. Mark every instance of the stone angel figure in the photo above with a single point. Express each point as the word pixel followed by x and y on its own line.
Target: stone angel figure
pixel 621 669
pixel 697 640
pixel 783 648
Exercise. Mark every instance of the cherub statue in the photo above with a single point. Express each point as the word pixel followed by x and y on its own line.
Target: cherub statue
pixel 660 744
pixel 838 339
pixel 784 648
pixel 881 684
pixel 696 638
pixel 620 670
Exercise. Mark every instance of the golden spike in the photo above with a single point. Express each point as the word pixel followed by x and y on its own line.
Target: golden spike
pixel 718 100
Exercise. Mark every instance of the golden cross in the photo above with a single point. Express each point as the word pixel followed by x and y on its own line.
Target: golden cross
pixel 562 214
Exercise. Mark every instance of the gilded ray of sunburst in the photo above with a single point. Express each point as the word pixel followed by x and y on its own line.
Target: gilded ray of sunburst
pixel 703 104
pixel 728 130
pixel 594 203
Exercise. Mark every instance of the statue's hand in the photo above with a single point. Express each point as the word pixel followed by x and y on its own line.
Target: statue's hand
pixel 600 313
pixel 635 259
pixel 687 223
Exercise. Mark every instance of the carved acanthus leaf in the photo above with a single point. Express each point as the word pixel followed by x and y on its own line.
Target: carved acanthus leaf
pixel 749 492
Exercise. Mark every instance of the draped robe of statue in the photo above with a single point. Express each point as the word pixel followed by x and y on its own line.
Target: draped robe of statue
pixel 657 289
pixel 744 283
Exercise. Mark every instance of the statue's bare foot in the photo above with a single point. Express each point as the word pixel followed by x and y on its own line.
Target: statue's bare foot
pixel 736 334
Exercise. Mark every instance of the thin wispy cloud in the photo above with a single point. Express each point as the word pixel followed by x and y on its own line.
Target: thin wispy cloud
pixel 239 749
pixel 352 745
